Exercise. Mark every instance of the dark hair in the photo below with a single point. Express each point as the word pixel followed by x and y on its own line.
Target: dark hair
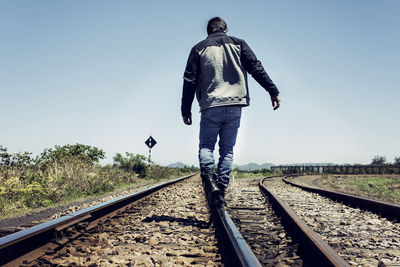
pixel 216 24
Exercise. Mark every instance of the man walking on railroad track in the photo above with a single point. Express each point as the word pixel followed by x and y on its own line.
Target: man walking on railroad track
pixel 216 72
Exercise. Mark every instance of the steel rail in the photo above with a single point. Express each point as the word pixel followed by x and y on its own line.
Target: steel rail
pixel 51 234
pixel 388 210
pixel 323 253
pixel 234 249
pixel 241 253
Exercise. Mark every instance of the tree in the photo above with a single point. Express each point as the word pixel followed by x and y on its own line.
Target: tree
pixel 5 157
pixel 78 151
pixel 131 162
pixel 397 160
pixel 376 160
pixel 15 159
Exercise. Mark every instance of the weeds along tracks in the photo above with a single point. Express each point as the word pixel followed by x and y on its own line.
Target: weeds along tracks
pixel 362 238
pixel 171 226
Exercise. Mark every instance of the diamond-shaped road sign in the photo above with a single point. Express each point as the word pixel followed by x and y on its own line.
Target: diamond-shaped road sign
pixel 150 142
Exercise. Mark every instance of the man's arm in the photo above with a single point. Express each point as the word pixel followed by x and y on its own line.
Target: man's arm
pixel 189 87
pixel 253 66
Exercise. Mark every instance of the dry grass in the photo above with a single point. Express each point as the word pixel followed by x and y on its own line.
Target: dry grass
pixel 381 187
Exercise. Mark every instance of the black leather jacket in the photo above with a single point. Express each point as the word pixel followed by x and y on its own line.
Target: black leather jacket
pixel 216 72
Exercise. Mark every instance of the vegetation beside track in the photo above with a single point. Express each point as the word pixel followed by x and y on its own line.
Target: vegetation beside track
pixel 250 174
pixel 65 173
pixel 387 188
pixel 382 187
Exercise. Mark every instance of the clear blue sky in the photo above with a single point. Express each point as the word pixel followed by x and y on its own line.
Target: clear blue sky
pixel 109 73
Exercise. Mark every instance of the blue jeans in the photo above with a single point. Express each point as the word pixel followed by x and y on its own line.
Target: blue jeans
pixel 223 122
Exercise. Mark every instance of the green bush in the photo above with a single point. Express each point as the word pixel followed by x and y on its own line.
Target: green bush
pixel 249 174
pixel 78 151
pixel 131 162
pixel 68 172
pixel 57 174
pixel 157 172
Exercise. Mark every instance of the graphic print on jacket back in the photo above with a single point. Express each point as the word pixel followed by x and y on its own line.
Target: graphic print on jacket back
pixel 222 75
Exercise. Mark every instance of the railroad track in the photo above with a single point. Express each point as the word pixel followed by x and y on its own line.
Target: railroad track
pixel 275 239
pixel 252 213
pixel 171 224
pixel 164 225
pixel 361 237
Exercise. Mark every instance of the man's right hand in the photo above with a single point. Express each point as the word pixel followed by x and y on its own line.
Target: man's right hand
pixel 187 120
pixel 276 102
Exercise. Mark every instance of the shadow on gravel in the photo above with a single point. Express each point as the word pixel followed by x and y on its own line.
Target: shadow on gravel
pixel 185 221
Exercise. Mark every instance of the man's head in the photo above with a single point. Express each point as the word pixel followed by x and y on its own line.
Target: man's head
pixel 216 24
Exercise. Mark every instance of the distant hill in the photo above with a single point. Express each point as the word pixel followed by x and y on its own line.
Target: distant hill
pixel 253 166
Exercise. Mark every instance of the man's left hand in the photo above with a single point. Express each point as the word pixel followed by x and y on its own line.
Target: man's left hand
pixel 187 120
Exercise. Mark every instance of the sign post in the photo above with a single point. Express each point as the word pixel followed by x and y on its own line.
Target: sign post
pixel 150 142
